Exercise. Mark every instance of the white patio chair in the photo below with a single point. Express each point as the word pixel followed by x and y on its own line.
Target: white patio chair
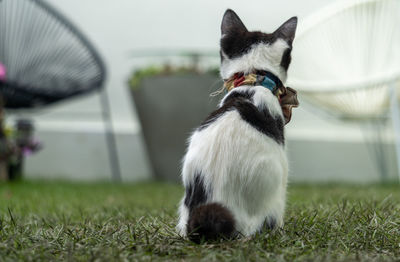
pixel 346 60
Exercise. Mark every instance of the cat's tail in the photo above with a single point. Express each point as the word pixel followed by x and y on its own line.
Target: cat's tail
pixel 210 222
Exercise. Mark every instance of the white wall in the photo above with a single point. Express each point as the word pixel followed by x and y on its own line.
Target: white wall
pixel 116 27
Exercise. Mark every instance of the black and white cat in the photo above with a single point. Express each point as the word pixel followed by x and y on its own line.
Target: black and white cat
pixel 235 169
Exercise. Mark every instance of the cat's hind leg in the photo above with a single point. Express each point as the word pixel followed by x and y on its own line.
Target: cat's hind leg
pixel 274 218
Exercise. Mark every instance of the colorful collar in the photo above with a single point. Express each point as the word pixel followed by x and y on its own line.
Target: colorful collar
pixel 265 79
pixel 287 96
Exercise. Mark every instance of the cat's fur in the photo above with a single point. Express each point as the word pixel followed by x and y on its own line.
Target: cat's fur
pixel 235 169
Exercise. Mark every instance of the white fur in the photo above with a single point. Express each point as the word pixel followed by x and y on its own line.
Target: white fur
pixel 243 169
pixel 261 56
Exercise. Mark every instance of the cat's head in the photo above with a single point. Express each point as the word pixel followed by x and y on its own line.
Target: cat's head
pixel 245 52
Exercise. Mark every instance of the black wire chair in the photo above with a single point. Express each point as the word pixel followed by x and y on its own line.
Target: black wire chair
pixel 45 57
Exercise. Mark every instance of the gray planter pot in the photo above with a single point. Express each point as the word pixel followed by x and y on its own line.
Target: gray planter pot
pixel 169 109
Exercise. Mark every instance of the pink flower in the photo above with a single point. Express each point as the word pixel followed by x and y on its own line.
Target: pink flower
pixel 3 72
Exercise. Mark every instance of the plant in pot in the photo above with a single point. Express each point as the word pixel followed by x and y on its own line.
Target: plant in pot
pixel 171 102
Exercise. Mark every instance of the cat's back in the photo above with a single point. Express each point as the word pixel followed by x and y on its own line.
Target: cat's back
pixel 238 136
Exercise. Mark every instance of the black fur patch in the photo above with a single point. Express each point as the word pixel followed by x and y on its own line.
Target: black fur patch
pixel 286 59
pixel 237 43
pixel 195 193
pixel 261 120
pixel 227 106
pixel 210 222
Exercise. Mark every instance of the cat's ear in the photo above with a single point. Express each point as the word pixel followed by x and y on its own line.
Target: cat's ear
pixel 287 31
pixel 231 23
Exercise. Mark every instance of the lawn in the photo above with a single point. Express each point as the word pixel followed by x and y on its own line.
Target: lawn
pixel 106 222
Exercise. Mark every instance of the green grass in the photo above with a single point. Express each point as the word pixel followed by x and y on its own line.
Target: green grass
pixel 105 222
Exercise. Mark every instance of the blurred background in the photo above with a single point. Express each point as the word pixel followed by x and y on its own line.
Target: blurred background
pixel 154 64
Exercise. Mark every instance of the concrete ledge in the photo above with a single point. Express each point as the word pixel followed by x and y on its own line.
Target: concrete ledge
pixel 83 155
pixel 337 161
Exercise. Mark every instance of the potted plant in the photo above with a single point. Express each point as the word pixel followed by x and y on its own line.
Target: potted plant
pixel 171 102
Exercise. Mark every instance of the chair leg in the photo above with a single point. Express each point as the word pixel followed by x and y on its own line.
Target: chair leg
pixel 396 122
